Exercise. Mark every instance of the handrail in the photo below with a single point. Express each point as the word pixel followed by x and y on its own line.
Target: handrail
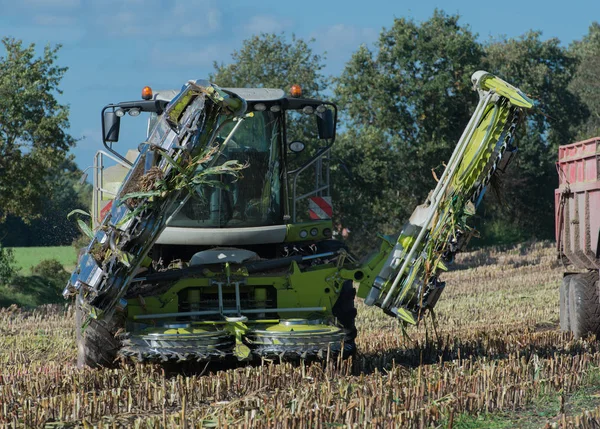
pixel 318 158
pixel 98 189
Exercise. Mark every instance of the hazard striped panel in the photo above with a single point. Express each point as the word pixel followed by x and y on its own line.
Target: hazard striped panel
pixel 320 208
pixel 105 210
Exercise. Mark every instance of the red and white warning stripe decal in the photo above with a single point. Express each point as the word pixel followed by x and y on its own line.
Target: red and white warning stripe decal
pixel 105 210
pixel 320 208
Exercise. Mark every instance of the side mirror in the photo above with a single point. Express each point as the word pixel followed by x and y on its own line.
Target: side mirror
pixel 111 124
pixel 326 124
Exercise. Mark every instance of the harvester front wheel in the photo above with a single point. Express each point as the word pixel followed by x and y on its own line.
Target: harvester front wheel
pixel 345 312
pixel 565 324
pixel 96 344
pixel 584 304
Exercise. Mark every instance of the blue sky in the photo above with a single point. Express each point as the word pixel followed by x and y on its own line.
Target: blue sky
pixel 115 47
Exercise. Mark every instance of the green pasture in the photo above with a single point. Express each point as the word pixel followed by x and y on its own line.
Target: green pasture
pixel 28 257
pixel 28 290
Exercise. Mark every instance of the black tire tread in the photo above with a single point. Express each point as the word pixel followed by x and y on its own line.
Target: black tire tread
pixel 565 323
pixel 97 345
pixel 345 312
pixel 584 304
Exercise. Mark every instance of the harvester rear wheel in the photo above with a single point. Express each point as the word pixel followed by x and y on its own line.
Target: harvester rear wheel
pixel 96 344
pixel 345 312
pixel 565 324
pixel 584 304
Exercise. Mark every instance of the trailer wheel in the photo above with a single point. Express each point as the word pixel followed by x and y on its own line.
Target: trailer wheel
pixel 584 304
pixel 96 344
pixel 565 324
pixel 345 312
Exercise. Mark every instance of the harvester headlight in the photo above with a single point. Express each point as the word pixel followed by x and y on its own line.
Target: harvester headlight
pixel 134 112
pixel 327 232
pixel 120 112
pixel 303 234
pixel 309 110
pixel 297 146
pixel 321 108
pixel 260 107
pixel 314 232
pixel 275 108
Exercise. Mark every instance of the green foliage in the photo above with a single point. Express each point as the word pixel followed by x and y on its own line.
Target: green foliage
pixel 51 270
pixel 7 265
pixel 407 102
pixel 80 242
pixel 43 286
pixel 38 175
pixel 586 82
pixel 33 137
pixel 83 227
pixel 31 291
pixel 405 106
pixel 188 175
pixel 270 61
pixel 369 173
pixel 542 69
pixel 496 231
pixel 53 228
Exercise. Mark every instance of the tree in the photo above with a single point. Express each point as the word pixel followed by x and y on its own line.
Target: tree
pixel 585 83
pixel 544 70
pixel 270 61
pixel 405 106
pixel 33 128
pixel 7 265
pixel 65 194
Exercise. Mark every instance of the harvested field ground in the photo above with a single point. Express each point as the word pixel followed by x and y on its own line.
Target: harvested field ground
pixel 498 360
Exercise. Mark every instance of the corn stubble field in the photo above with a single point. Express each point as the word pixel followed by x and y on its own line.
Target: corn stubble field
pixel 496 359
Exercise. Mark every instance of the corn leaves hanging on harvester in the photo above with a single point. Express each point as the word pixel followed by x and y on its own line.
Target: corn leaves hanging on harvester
pixel 308 292
pixel 169 164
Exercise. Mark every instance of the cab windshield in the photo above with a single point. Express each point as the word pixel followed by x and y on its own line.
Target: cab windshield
pixel 255 198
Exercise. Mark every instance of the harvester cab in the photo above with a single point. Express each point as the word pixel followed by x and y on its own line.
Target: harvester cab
pixel 284 142
pixel 214 240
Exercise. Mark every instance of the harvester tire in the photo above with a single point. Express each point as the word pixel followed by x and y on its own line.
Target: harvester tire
pixel 565 324
pixel 97 345
pixel 584 304
pixel 345 312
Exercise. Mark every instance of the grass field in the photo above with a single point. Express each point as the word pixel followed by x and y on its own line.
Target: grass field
pixel 498 360
pixel 28 257
pixel 27 290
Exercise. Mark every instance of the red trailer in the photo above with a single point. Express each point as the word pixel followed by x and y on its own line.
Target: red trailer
pixel 577 214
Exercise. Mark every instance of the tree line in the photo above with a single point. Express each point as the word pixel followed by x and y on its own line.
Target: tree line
pixel 404 103
pixel 39 181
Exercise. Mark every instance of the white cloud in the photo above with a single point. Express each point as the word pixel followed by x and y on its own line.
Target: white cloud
pixel 187 18
pixel 340 41
pixel 200 59
pixel 51 20
pixel 267 24
pixel 52 4
pixel 343 37
pixel 57 16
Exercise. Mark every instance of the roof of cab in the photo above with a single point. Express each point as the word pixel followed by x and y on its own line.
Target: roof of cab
pixel 248 94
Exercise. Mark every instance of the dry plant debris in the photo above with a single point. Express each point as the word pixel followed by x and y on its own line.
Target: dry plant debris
pixel 496 349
